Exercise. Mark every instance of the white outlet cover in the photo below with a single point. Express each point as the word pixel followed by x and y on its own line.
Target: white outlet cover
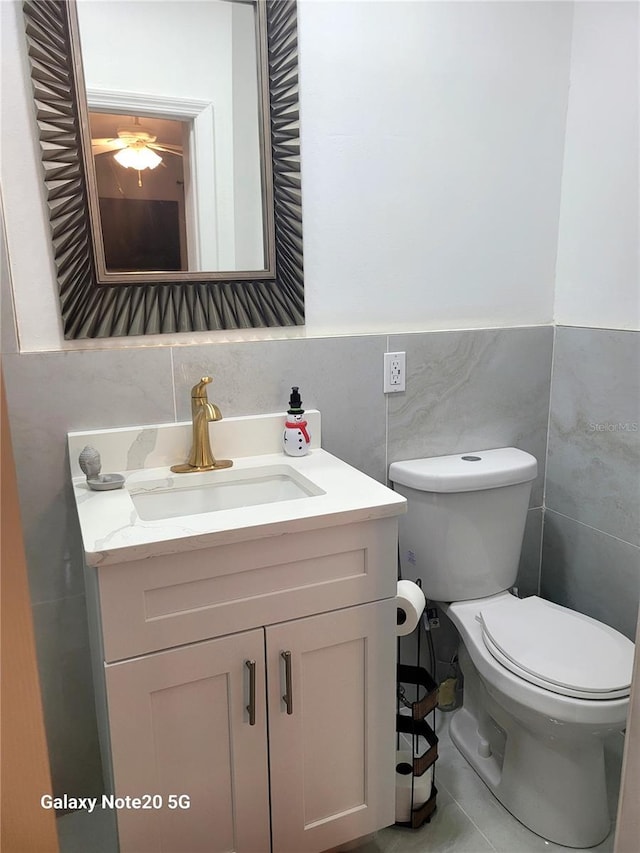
pixel 394 372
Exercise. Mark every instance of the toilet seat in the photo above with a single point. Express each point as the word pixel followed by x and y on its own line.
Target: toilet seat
pixel 556 648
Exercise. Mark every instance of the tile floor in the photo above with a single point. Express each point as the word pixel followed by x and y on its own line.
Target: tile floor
pixel 468 818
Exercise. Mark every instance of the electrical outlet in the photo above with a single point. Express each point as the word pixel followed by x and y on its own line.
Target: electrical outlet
pixel 394 372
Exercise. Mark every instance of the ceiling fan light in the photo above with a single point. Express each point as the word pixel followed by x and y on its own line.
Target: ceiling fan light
pixel 137 158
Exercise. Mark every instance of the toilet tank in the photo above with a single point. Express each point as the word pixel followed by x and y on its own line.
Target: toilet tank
pixel 462 532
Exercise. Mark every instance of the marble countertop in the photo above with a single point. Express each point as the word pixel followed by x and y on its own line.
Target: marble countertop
pixel 113 532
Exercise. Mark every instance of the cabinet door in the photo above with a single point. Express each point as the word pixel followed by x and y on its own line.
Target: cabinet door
pixel 333 748
pixel 179 725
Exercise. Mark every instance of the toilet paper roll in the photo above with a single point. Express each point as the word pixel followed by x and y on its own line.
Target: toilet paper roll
pixel 410 602
pixel 404 779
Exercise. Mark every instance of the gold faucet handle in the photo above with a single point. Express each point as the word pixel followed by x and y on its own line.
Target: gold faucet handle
pixel 199 391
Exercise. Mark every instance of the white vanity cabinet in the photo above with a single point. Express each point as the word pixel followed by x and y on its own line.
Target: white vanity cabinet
pixel 256 678
pixel 332 757
pixel 179 729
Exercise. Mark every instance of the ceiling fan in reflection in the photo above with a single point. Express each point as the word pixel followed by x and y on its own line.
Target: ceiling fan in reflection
pixel 135 147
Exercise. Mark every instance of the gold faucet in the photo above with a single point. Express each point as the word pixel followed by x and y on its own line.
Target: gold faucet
pixel 203 412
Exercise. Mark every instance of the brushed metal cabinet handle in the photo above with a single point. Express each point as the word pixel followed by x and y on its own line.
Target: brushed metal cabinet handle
pixel 251 707
pixel 288 696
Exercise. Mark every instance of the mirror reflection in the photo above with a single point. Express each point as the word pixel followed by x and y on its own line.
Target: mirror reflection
pixel 175 100
pixel 141 193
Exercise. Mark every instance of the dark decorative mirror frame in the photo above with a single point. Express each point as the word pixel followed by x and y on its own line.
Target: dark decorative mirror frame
pixel 94 310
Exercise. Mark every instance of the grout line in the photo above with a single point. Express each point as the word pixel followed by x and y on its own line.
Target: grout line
pixel 546 459
pixel 595 529
pixel 442 786
pixel 541 551
pixel 471 820
pixel 386 426
pixel 60 598
pixel 546 449
pixel 591 328
pixel 467 816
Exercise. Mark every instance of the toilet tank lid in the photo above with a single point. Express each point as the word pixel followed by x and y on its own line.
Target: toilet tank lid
pixel 466 472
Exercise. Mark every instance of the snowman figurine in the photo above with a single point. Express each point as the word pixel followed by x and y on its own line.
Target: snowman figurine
pixel 296 438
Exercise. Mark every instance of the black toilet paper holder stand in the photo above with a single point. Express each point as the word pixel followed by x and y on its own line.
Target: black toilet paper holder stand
pixel 415 724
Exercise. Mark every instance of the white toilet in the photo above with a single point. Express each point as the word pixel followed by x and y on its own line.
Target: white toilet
pixel 542 684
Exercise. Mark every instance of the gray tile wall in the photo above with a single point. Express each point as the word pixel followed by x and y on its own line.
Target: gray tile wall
pixel 342 377
pixel 465 391
pixel 473 390
pixel 476 390
pixel 48 395
pixel 591 554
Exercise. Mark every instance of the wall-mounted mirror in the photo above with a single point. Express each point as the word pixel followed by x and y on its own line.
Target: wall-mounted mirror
pixel 171 169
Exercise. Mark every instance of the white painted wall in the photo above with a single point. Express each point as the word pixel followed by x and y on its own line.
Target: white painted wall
pixel 432 141
pixel 599 235
pixel 432 136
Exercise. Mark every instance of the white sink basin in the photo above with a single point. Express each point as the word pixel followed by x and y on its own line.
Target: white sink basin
pixel 264 494
pixel 212 491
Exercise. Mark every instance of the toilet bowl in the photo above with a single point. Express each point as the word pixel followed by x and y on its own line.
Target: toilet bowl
pixel 541 752
pixel 543 685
